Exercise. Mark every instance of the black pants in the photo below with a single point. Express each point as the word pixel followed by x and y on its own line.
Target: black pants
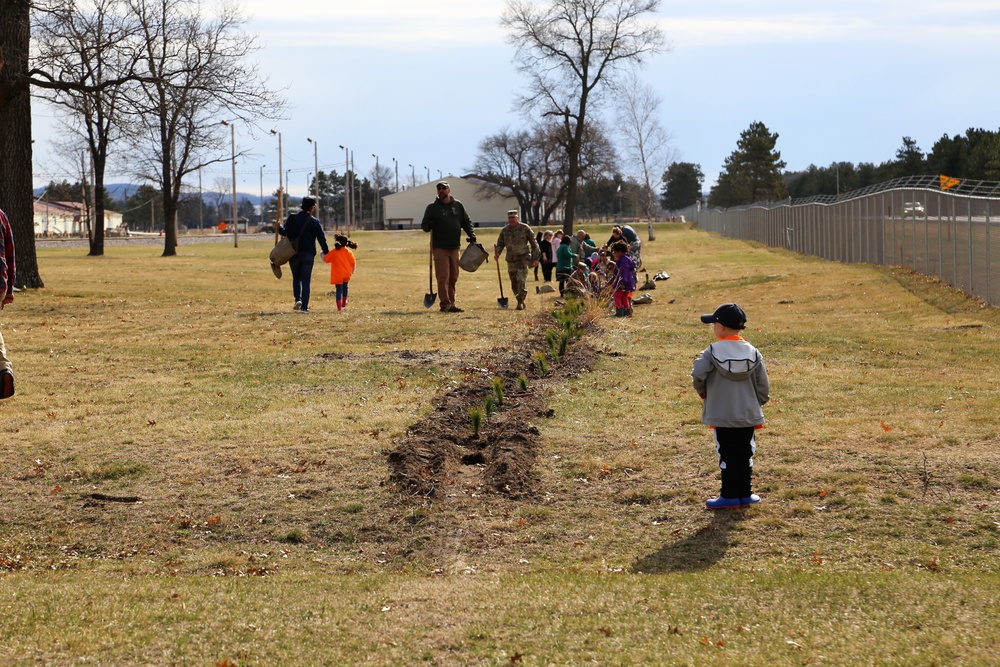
pixel 302 269
pixel 736 447
pixel 562 281
pixel 547 271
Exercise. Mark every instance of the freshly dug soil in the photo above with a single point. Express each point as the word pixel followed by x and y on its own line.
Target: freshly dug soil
pixel 442 451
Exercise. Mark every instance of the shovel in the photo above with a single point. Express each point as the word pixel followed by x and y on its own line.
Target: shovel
pixel 502 301
pixel 430 297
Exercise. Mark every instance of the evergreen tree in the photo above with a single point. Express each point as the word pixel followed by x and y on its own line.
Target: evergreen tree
pixel 752 172
pixel 682 183
pixel 910 159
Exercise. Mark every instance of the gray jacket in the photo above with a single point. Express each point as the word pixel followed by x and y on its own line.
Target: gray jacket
pixel 730 374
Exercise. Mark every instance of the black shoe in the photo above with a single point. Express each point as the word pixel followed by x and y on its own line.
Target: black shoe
pixel 305 310
pixel 455 309
pixel 6 384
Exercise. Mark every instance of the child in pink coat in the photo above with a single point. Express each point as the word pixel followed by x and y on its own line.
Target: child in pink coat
pixel 342 263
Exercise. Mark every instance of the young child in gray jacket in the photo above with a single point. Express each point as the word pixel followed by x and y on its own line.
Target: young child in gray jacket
pixel 731 378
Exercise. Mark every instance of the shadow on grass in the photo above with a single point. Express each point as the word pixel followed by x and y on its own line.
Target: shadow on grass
pixel 704 548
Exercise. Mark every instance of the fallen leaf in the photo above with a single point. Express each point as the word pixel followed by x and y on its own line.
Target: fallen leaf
pixel 822 494
pixel 885 427
pixel 56 489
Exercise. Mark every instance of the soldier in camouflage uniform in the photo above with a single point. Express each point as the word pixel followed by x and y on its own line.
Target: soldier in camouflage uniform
pixel 522 252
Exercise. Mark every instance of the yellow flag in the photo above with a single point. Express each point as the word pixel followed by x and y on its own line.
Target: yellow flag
pixel 948 182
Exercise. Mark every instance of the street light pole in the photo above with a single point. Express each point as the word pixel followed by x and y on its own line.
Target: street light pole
pixel 428 174
pixel 359 213
pixel 262 194
pixel 413 176
pixel 396 164
pixel 236 220
pixel 201 203
pixel 378 189
pixel 319 209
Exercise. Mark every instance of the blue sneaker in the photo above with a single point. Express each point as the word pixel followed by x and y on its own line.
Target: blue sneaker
pixel 721 503
pixel 752 500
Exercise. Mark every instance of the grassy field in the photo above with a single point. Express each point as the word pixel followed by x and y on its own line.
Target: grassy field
pixel 192 473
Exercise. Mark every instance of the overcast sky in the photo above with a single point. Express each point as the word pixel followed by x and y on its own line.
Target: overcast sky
pixel 424 81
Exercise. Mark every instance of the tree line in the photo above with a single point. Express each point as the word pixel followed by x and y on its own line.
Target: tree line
pixel 142 208
pixel 753 172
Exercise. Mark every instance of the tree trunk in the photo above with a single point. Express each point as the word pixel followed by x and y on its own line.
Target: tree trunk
pixel 15 138
pixel 169 228
pixel 97 239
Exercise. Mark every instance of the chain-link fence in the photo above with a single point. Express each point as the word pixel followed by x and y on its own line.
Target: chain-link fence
pixel 938 226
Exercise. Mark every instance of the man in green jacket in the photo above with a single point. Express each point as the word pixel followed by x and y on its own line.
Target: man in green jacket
pixel 445 219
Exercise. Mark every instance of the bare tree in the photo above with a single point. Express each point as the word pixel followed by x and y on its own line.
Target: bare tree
pixel 15 135
pixel 90 44
pixel 222 189
pixel 196 71
pixel 647 144
pixel 524 163
pixel 533 165
pixel 568 49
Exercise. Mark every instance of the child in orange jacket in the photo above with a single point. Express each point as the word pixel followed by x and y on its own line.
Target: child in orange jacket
pixel 342 263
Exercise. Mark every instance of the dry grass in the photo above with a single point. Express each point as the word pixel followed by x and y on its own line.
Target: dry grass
pixel 267 531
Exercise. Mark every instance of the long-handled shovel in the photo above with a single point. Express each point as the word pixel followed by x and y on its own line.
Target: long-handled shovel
pixel 430 297
pixel 502 301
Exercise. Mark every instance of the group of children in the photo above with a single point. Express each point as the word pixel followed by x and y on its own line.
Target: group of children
pixel 582 269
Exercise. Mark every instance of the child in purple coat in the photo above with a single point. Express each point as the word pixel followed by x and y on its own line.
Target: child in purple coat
pixel 624 279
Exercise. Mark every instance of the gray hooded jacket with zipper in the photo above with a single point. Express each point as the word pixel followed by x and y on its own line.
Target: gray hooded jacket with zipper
pixel 730 374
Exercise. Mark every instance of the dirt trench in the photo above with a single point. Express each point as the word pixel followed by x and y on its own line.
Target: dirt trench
pixel 441 452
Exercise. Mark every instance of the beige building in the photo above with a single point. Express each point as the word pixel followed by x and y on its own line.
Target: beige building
pixel 67 218
pixel 405 209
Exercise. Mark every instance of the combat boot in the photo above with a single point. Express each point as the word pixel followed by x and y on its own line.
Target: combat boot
pixel 520 304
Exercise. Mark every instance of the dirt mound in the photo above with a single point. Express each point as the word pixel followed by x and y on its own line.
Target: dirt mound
pixel 443 451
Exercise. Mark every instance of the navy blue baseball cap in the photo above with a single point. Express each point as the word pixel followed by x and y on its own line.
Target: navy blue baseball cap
pixel 728 315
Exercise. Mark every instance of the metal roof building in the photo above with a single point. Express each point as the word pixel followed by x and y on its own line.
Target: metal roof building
pixel 405 209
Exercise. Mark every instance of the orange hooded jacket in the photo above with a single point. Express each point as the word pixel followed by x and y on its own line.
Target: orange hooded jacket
pixel 342 263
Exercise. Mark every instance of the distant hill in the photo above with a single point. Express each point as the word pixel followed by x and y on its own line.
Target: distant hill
pixel 121 191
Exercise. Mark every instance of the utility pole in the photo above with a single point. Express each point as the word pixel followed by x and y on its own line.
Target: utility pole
pixel 236 220
pixel 281 193
pixel 319 209
pixel 347 188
